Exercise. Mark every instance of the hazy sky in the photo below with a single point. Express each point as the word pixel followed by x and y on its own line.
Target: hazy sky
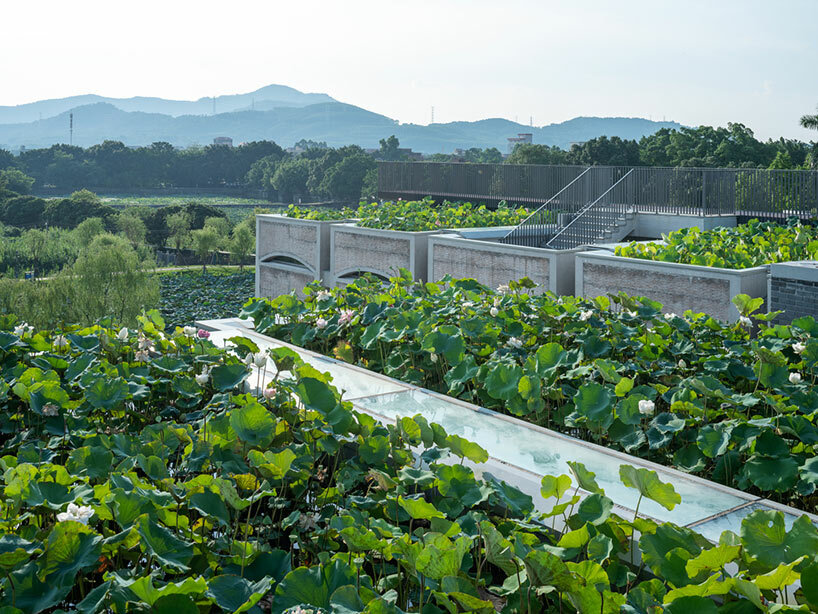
pixel 692 61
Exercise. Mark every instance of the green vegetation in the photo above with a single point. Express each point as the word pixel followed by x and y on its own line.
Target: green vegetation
pixel 683 391
pixel 749 245
pixel 188 296
pixel 140 478
pixel 417 215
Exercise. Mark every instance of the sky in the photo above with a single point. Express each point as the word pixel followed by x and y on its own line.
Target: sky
pixel 695 62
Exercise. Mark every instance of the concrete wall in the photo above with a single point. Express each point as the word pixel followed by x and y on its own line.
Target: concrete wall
pixel 678 287
pixel 274 279
pixel 306 241
pixel 355 250
pixel 654 225
pixel 793 289
pixel 494 264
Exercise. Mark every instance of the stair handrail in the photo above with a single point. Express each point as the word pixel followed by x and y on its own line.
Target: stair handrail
pixel 587 208
pixel 545 204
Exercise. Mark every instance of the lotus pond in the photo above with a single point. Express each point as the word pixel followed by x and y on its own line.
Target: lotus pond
pixel 749 245
pixel 686 391
pixel 187 296
pixel 140 474
pixel 418 215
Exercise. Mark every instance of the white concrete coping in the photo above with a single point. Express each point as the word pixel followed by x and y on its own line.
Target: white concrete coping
pixel 800 270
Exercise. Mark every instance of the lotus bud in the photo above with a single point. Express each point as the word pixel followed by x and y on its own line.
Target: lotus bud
pixel 646 408
pixel 260 359
pixel 799 347
pixel 248 359
pixel 795 378
pixel 122 335
pixel 494 311
pixel 745 322
pixel 320 324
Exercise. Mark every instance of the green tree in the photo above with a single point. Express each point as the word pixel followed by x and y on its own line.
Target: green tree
pixel 205 241
pixel 529 153
pixel 221 226
pixel 16 181
pixel 242 243
pixel 781 161
pixel 390 149
pixel 810 121
pixel 290 179
pixel 131 227
pixel 344 180
pixel 88 229
pixel 178 226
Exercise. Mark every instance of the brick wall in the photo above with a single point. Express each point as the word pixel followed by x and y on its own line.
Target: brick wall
pixel 795 297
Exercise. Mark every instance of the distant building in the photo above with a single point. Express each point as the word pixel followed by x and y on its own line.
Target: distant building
pixel 410 155
pixel 223 140
pixel 523 137
pixel 577 143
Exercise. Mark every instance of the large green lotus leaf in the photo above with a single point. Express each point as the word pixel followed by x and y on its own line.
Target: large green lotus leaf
pixel 667 550
pixel 153 466
pixel 608 370
pixel 316 394
pixel 33 595
pixel 551 486
pixel 447 341
pixel 595 509
pixel 210 505
pixel 809 471
pixel 8 341
pixel 175 604
pixel 686 605
pixel 106 392
pixel 93 461
pixel 778 578
pixel 594 401
pixel 463 448
pixel 712 559
pixel 649 485
pixel 313 586
pixel 253 424
pixel 778 474
pixel 361 539
pixel 441 557
pixel 498 549
pixel 588 600
pixel 226 377
pixel 458 482
pixel 600 548
pixel 586 479
pixel 14 550
pixel 547 359
pixel 764 536
pixel 275 564
pixel 159 542
pixel 419 509
pixel 713 442
pixel 546 569
pixel 53 494
pixel 502 380
pixel 464 371
pixel 689 459
pixel 144 589
pixel 809 584
pixel 275 464
pixel 374 450
pixel 70 548
pixel 508 496
pixel 170 364
pixel 236 594
pixel 48 392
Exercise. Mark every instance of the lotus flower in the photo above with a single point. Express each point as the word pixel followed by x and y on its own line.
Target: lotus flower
pixel 60 341
pixel 745 322
pixel 670 316
pixel 260 359
pixel 141 356
pixel 321 295
pixel 269 393
pixel 346 316
pixel 320 323
pixel 584 316
pixel 189 330
pixel 122 335
pixel 503 289
pixel 646 408
pixel 49 409
pixel 494 311
pixel 795 378
pixel 77 513
pixel 203 334
pixel 515 343
pixel 248 360
pixel 203 377
pixel 799 347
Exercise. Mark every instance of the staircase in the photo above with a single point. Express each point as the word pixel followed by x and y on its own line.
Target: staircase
pixel 591 209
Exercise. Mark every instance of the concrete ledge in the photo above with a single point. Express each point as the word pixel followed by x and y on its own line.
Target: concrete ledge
pixel 493 264
pixel 651 225
pixel 677 286
pixel 802 270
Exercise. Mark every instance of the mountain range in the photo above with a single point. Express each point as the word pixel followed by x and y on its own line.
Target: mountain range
pixel 280 114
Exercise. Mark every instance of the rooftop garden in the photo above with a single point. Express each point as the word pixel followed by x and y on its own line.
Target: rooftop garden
pixel 141 474
pixel 683 390
pixel 749 245
pixel 419 215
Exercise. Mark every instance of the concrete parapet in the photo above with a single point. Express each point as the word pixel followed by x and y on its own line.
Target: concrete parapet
pixel 274 279
pixel 677 286
pixel 793 289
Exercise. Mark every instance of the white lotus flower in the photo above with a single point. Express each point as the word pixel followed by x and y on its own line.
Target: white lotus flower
pixel 795 378
pixel 503 289
pixel 646 408
pixel 494 311
pixel 260 359
pixel 144 342
pixel 670 316
pixel 468 304
pixel 141 356
pixel 77 513
pixel 189 330
pixel 21 329
pixel 682 364
pixel 49 409
pixel 496 301
pixel 269 393
pixel 745 321
pixel 60 341
pixel 632 314
pixel 203 377
pixel 346 316
pixel 122 335
pixel 321 323
pixel 321 295
pixel 515 343
pixel 799 347
pixel 585 315
pixel 433 357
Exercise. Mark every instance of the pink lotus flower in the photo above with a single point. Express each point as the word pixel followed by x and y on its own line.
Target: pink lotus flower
pixel 203 334
pixel 346 316
pixel 269 393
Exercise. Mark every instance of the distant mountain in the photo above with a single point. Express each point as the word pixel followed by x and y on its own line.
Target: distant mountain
pixel 266 98
pixel 284 115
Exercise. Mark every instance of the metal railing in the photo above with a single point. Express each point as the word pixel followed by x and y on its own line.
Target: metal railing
pixel 691 191
pixel 594 222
